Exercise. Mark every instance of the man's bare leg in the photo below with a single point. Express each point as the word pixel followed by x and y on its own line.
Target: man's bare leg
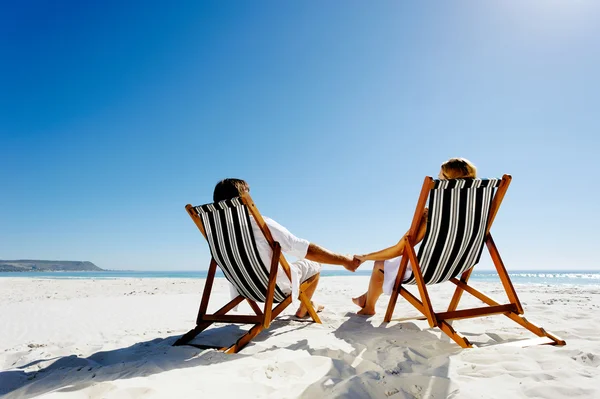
pixel 368 300
pixel 309 292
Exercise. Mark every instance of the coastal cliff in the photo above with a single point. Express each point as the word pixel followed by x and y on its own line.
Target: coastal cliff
pixel 26 265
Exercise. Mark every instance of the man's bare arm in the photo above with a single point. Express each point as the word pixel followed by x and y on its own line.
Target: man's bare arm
pixel 322 255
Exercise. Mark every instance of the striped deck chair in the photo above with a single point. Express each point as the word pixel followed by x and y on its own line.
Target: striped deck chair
pixel 461 213
pixel 226 227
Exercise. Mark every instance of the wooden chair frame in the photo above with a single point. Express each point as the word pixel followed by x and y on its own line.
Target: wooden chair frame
pixel 513 310
pixel 262 318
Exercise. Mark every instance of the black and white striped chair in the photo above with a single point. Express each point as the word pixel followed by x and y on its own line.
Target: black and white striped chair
pixel 461 213
pixel 226 226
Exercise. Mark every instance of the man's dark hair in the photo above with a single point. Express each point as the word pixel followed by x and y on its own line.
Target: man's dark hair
pixel 230 188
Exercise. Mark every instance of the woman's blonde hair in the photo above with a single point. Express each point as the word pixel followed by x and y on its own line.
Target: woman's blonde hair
pixel 458 168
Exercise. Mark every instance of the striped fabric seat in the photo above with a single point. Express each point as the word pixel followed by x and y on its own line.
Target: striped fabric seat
pixel 458 217
pixel 233 247
pixel 461 213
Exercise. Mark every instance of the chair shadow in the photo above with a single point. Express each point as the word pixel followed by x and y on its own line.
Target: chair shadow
pixel 388 358
pixel 142 359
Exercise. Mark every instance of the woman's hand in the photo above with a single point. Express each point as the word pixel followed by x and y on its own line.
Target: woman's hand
pixel 352 263
pixel 361 258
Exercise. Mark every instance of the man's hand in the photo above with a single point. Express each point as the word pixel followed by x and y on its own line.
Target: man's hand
pixel 352 263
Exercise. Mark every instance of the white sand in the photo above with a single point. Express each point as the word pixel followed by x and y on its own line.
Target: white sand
pixel 112 339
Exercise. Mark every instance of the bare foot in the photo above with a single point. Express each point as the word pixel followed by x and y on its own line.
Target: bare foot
pixel 366 312
pixel 303 313
pixel 360 300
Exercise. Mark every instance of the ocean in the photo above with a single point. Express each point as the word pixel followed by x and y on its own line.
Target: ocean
pixel 549 277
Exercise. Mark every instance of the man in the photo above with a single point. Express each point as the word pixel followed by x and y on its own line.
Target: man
pixel 311 255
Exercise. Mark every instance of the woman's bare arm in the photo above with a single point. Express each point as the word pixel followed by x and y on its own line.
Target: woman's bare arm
pixel 398 249
pixel 384 254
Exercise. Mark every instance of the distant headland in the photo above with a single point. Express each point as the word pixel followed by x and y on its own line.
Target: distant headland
pixel 26 265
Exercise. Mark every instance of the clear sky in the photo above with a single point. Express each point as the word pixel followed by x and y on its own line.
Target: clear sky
pixel 114 115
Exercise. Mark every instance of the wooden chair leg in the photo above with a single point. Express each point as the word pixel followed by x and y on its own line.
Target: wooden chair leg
pixel 306 301
pixel 210 278
pixel 422 287
pixel 391 305
pixel 503 274
pixel 190 335
pixel 254 331
pixel 539 331
pixel 459 291
pixel 254 307
pixel 281 307
pixel 309 307
pixel 397 286
pixel 244 339
pixel 456 337
pixel 412 233
pixel 202 325
pixel 271 287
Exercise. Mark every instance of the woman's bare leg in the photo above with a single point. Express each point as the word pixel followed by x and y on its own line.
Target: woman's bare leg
pixel 368 300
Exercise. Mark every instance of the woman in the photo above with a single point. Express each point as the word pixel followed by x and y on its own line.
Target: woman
pixel 387 261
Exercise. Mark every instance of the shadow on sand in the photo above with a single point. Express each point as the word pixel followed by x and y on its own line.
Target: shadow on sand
pixel 398 359
pixel 403 359
pixel 72 373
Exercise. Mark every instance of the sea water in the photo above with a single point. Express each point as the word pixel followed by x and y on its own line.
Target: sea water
pixel 572 277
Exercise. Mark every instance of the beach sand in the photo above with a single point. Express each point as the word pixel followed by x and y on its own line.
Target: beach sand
pixel 112 339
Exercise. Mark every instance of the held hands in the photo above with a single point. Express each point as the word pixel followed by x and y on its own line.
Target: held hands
pixel 361 258
pixel 352 263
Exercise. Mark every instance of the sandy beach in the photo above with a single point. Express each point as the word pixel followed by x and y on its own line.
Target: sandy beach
pixel 111 338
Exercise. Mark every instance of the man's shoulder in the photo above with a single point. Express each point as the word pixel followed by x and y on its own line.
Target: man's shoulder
pixel 267 219
pixel 274 225
pixel 270 222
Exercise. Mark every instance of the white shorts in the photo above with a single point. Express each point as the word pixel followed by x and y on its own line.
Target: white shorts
pixel 306 269
pixel 301 270
pixel 390 268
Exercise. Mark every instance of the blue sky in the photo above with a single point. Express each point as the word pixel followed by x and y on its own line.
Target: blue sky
pixel 114 115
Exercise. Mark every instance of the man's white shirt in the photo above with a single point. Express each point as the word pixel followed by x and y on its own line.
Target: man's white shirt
pixel 290 245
